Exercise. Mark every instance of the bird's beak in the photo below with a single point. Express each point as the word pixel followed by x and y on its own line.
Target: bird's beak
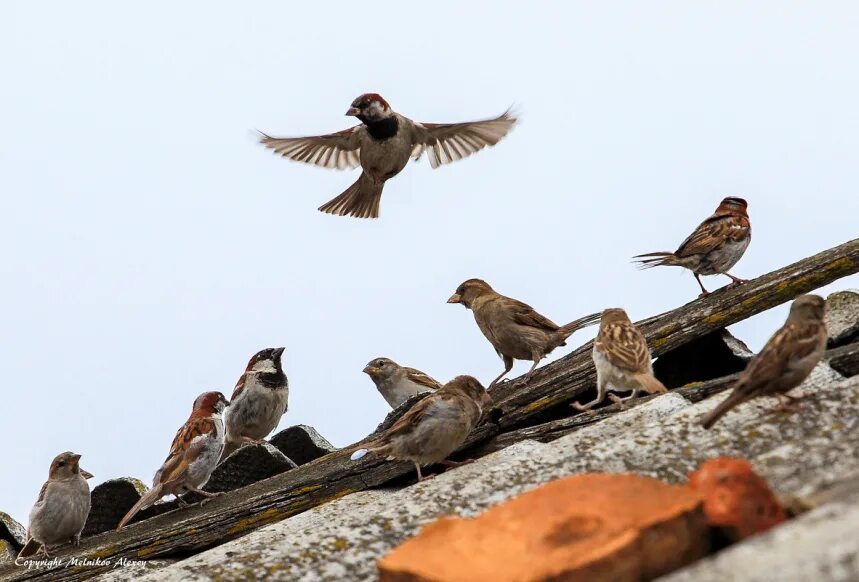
pixel 278 352
pixel 455 298
pixel 76 458
pixel 371 370
pixel 353 111
pixel 86 474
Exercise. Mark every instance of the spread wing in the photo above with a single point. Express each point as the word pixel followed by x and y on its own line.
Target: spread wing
pixel 339 150
pixel 624 346
pixel 186 446
pixel 419 377
pixel 712 233
pixel 449 142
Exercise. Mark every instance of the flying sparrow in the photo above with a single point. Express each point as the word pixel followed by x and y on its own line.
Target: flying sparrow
pixel 715 246
pixel 622 360
pixel 434 427
pixel 193 455
pixel 397 383
pixel 785 361
pixel 60 513
pixel 382 146
pixel 259 399
pixel 513 328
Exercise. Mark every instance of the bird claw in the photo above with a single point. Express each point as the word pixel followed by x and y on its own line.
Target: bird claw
pixel 582 408
pixel 617 400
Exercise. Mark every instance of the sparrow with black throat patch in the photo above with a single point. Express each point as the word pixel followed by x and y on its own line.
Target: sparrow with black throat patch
pixel 622 360
pixel 398 383
pixel 434 427
pixel 382 145
pixel 193 456
pixel 784 362
pixel 60 513
pixel 260 398
pixel 513 328
pixel 715 246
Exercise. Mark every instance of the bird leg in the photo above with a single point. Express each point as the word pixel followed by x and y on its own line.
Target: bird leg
pixel 735 281
pixel 704 292
pixel 620 401
pixel 528 374
pixel 205 494
pixel 508 365
pixel 249 441
pixel 601 392
pixel 790 404
pixel 76 539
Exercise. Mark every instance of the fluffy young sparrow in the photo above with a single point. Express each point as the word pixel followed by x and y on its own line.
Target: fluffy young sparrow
pixel 513 328
pixel 259 399
pixel 785 361
pixel 435 427
pixel 60 513
pixel 397 383
pixel 715 246
pixel 622 360
pixel 382 146
pixel 193 455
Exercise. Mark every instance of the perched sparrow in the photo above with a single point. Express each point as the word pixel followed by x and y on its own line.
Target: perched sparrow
pixel 382 145
pixel 259 400
pixel 60 513
pixel 435 427
pixel 622 359
pixel 397 383
pixel 193 455
pixel 715 246
pixel 785 361
pixel 513 328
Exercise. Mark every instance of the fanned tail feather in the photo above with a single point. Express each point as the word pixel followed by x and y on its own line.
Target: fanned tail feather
pixel 650 260
pixel 586 321
pixel 650 384
pixel 360 200
pixel 145 501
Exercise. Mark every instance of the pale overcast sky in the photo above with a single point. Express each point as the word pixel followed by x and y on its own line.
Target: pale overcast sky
pixel 152 246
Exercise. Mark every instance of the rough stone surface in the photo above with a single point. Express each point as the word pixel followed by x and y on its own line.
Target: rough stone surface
pixel 797 453
pixel 111 500
pixel 12 531
pixel 710 356
pixel 247 465
pixel 589 527
pixel 842 317
pixel 8 551
pixel 821 545
pixel 301 443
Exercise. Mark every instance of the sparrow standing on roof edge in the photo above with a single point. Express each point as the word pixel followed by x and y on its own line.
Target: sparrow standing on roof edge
pixel 382 146
pixel 434 427
pixel 785 361
pixel 622 360
pixel 259 400
pixel 61 511
pixel 398 383
pixel 715 246
pixel 513 328
pixel 193 455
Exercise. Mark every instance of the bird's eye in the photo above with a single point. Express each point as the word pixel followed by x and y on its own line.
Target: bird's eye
pixel 381 364
pixel 61 464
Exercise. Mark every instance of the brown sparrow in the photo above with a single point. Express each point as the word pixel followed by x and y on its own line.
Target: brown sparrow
pixel 193 455
pixel 513 328
pixel 382 146
pixel 259 399
pixel 434 427
pixel 715 246
pixel 622 360
pixel 60 513
pixel 397 383
pixel 785 361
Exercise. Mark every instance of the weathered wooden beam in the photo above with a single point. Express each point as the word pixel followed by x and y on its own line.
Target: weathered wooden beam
pixel 187 531
pixel 694 392
pixel 561 381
